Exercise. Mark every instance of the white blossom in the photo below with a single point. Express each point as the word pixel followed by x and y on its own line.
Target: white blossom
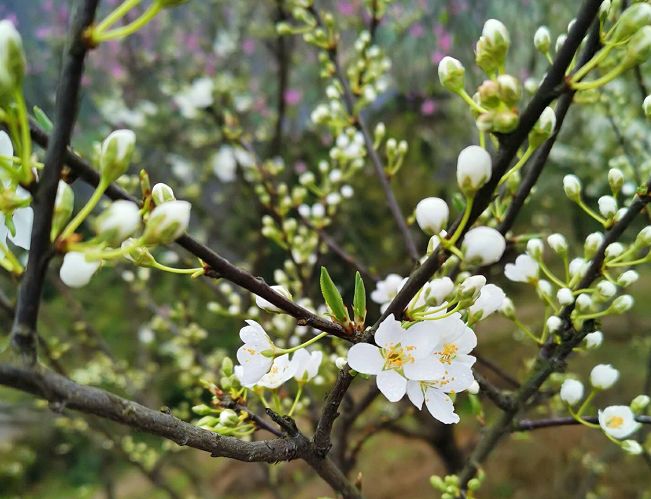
pixel 307 364
pixel 525 269
pixel 387 289
pixel 224 164
pixel 603 376
pixel 76 271
pixel 618 421
pixel 490 300
pixel 281 370
pixel 483 245
pixel 256 355
pixel 198 95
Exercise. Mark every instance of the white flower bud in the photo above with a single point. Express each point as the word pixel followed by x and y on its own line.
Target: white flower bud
pixel 161 193
pixel 12 58
pixel 592 243
pixel 632 447
pixel 542 39
pixel 535 248
pixel 639 403
pixel 578 267
pixel 471 286
pixel 432 215
pixel 507 309
pixel 118 221
pixel 594 340
pixel 565 296
pixel 571 391
pixel 606 289
pixel 554 323
pixel 270 307
pixel 492 47
pixel 646 106
pixel 483 246
pixel 228 418
pixel 644 237
pixel 572 187
pixel 474 169
pixel 584 302
pixel 76 271
pixel 64 205
pixel 622 304
pixel 544 288
pixel 607 206
pixel 543 128
pixel 627 278
pixel 558 243
pixel 615 180
pixel 603 376
pixel 167 222
pixel 340 362
pixel 115 156
pixel 474 388
pixel 613 250
pixel 451 74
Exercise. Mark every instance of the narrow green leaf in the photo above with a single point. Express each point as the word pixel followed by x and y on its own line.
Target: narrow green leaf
pixel 42 119
pixel 359 300
pixel 333 298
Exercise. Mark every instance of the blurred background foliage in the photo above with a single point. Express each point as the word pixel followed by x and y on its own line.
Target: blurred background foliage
pixel 153 336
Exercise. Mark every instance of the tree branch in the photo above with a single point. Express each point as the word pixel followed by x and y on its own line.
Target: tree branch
pixel 23 333
pixel 536 424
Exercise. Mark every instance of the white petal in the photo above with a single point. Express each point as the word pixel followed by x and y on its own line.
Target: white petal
pixel 23 219
pixel 365 358
pixel 254 365
pixel 415 393
pixel 389 333
pixel 440 406
pixel 392 385
pixel 255 334
pixel 424 370
pixel 6 148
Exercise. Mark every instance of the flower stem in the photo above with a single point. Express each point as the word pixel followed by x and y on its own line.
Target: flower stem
pixel 296 399
pixel 282 351
pixel 599 82
pixel 521 162
pixel 116 15
pixel 130 28
pixel 586 403
pixel 462 224
pixel 174 270
pixel 590 212
pixel 85 211
pixel 25 138
pixel 473 105
pixel 591 64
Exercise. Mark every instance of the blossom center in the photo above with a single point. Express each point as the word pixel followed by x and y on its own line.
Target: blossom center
pixel 615 422
pixel 397 356
pixel 449 353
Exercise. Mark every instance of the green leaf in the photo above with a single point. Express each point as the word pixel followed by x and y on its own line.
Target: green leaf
pixel 333 298
pixel 359 300
pixel 42 119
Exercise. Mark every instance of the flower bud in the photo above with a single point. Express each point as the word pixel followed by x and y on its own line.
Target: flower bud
pixel 542 40
pixel 560 41
pixel 76 271
pixel 639 48
pixel 118 221
pixel 643 237
pixel 270 307
pixel 646 106
pixel 451 74
pixel 471 286
pixel 631 21
pixel 622 304
pixel 604 9
pixel 167 222
pixel 558 243
pixel 340 362
pixel 64 204
pixel 432 215
pixel 507 309
pixel 554 323
pixel 12 58
pixel 535 248
pixel 631 447
pixel 161 193
pixel 583 302
pixel 492 46
pixel 606 289
pixel 578 267
pixel 510 90
pixel 483 246
pixel 603 376
pixel 627 278
pixel 640 403
pixel 613 250
pixel 115 156
pixel 615 179
pixel 137 253
pixel 229 418
pixel 592 244
pixel 571 391
pixel 594 340
pixel 607 206
pixel 505 121
pixel 474 169
pixel 489 94
pixel 565 296
pixel 227 366
pixel 572 187
pixel 543 128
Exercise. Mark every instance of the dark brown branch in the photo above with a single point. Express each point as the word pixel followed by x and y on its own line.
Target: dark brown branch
pixel 23 333
pixel 490 365
pixel 498 397
pixel 330 412
pixel 536 424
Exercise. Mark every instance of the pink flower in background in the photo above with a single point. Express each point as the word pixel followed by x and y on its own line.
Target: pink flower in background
pixel 428 107
pixel 292 96
pixel 445 41
pixel 248 46
pixel 416 30
pixel 300 167
pixel 191 41
pixel 437 55
pixel 346 8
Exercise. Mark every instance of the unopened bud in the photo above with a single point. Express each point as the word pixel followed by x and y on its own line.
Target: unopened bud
pixel 115 157
pixel 572 187
pixel 161 193
pixel 542 40
pixel 451 74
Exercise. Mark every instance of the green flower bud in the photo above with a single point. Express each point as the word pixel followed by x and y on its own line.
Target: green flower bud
pixel 509 89
pixel 631 21
pixel 631 447
pixel 451 74
pixel 639 48
pixel 543 128
pixel 615 179
pixel 646 106
pixel 63 206
pixel 167 222
pixel 492 46
pixel 640 403
pixel 162 193
pixel 505 122
pixel 202 410
pixel 115 156
pixel 227 366
pixel 542 40
pixel 137 253
pixel 12 58
pixel 229 418
pixel 489 94
pixel 572 187
pixel 208 421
